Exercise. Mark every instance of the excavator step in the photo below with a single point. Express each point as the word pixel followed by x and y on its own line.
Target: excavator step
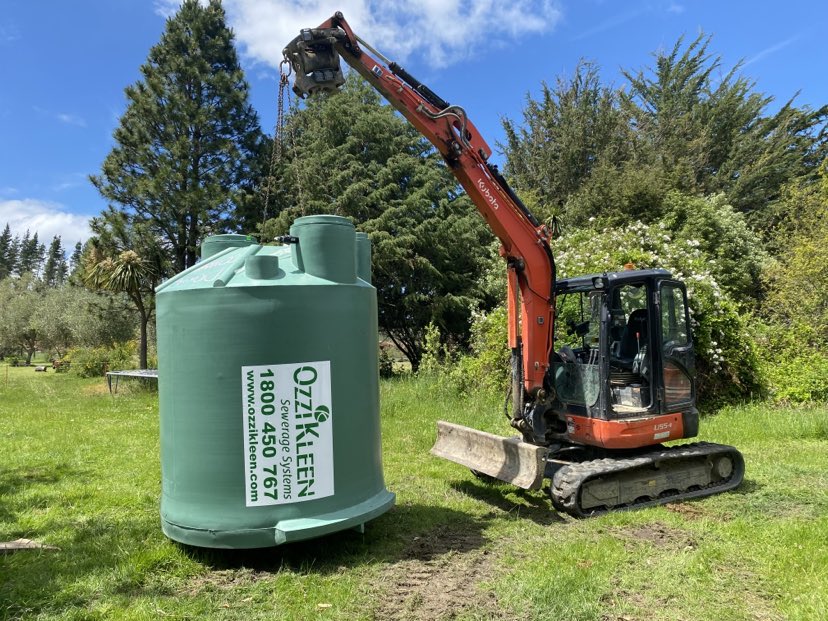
pixel 507 459
pixel 658 477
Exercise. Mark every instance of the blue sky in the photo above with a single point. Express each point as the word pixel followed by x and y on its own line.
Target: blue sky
pixel 64 65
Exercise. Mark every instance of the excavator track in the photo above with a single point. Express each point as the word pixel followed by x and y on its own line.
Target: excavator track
pixel 653 478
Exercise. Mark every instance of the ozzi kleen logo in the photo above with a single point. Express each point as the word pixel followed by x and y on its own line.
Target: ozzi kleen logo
pixel 288 436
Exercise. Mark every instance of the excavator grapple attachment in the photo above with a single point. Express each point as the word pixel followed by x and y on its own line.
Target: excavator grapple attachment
pixel 315 62
pixel 507 459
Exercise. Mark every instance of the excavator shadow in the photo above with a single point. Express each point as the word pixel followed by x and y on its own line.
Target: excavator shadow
pixel 521 503
pixel 747 486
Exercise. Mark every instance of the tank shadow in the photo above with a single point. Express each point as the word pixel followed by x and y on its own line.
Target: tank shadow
pixel 418 532
pixel 532 505
pixel 13 480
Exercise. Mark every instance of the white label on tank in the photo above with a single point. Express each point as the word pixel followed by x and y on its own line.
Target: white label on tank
pixel 288 433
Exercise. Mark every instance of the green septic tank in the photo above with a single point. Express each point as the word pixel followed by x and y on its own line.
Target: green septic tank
pixel 269 395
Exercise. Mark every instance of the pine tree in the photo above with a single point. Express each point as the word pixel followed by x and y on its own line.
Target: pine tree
pixel 189 137
pixel 575 126
pixel 75 262
pixel 31 255
pixel 54 271
pixel 8 253
pixel 682 123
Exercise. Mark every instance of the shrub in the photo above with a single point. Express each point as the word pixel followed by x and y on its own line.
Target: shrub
pixel 488 366
pixel 726 357
pixel 96 361
pixel 795 337
pixel 386 363
pixel 724 236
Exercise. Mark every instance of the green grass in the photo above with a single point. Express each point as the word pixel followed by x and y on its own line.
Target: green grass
pixel 79 470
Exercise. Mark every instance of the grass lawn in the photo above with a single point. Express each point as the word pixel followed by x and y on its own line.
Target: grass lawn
pixel 79 470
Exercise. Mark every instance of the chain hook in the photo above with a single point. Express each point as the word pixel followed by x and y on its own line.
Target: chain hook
pixel 285 74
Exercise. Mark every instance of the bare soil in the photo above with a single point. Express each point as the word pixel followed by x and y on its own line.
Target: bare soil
pixel 659 535
pixel 438 578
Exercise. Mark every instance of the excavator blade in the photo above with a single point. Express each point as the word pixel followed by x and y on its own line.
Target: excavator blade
pixel 506 459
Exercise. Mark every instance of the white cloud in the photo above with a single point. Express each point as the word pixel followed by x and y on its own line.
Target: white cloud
pixel 46 218
pixel 440 32
pixel 770 50
pixel 610 23
pixel 63 117
pixel 9 33
pixel 69 181
pixel 71 119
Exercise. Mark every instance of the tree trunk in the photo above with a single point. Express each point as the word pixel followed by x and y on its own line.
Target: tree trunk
pixel 142 344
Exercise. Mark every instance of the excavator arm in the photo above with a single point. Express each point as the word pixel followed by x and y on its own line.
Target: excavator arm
pixel 525 243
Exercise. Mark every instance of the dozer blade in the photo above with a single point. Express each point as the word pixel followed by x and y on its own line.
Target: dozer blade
pixel 506 459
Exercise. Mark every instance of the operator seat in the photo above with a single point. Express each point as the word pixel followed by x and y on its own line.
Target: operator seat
pixel 636 324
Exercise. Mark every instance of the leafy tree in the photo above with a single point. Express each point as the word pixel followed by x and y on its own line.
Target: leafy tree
pixel 349 155
pixel 736 253
pixel 55 268
pixel 69 316
pixel 189 137
pixel 126 258
pixel 794 337
pixel 798 282
pixel 19 299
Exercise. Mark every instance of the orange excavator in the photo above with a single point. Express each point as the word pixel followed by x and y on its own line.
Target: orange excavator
pixel 602 365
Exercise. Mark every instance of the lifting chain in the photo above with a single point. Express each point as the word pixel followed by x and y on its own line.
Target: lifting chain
pixel 278 133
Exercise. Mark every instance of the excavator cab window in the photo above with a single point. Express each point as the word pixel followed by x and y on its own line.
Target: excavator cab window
pixel 676 344
pixel 630 352
pixel 578 329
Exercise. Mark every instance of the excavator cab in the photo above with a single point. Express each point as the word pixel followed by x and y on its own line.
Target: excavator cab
pixel 623 356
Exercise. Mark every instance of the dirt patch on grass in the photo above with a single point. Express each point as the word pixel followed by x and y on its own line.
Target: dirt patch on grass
pixel 96 389
pixel 687 509
pixel 438 578
pixel 223 579
pixel 623 599
pixel 658 535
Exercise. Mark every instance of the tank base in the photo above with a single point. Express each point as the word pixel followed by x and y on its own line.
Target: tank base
pixel 284 531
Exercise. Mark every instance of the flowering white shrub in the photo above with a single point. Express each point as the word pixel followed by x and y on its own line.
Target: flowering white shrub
pixel 726 362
